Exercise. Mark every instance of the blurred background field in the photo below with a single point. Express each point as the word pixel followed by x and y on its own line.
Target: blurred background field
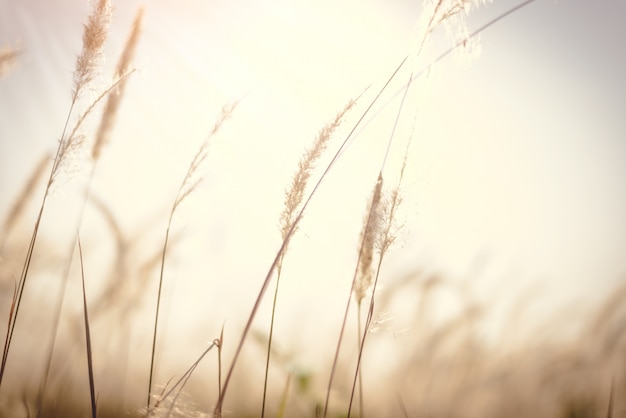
pixel 504 295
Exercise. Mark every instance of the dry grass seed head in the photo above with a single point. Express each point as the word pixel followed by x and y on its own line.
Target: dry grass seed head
pixel 71 146
pixel 115 97
pixel 131 45
pixel 191 180
pixel 295 194
pixel 94 36
pixel 451 14
pixel 369 237
pixel 390 227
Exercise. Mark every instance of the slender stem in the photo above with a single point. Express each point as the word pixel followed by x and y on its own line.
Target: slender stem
pixel 158 306
pixel 271 334
pixel 92 386
pixel 31 246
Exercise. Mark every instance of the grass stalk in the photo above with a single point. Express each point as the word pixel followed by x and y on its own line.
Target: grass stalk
pixel 609 413
pixel 220 345
pixel 359 372
pixel 384 240
pixel 189 183
pixel 364 257
pixel 180 383
pixel 92 391
pixel 60 299
pixel 293 201
pixel 283 399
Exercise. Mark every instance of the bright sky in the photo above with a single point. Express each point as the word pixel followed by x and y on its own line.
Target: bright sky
pixel 519 158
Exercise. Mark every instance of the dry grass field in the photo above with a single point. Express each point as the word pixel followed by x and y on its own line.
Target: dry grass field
pixel 174 261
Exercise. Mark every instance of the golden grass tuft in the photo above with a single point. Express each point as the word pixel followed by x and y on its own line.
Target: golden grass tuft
pixel 369 237
pixel 115 97
pixel 295 194
pixel 94 35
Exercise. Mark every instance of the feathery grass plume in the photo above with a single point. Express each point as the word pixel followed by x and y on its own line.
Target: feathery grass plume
pixel 369 238
pixel 450 14
pixel 8 59
pixel 384 215
pixel 295 194
pixel 365 256
pixel 94 35
pixel 391 228
pixel 392 202
pixel 293 201
pixel 95 32
pixel 115 97
pixel 384 239
pixel 92 390
pixel 189 183
pixel 71 145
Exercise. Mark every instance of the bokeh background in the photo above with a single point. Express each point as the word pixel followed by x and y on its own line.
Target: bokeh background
pixel 514 188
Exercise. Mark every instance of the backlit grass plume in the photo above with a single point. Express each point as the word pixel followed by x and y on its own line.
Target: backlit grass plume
pixel 94 36
pixel 293 201
pixel 115 97
pixel 362 277
pixel 295 194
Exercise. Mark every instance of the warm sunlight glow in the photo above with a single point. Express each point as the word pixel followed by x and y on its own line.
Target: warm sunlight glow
pixel 512 210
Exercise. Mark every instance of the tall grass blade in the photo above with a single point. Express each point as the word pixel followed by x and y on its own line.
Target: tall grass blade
pixel 92 390
pixel 609 413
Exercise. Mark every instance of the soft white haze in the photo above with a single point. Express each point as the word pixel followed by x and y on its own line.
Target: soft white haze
pixel 516 170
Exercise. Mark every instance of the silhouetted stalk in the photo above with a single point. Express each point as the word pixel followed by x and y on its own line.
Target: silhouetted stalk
pixel 188 185
pixel 92 390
